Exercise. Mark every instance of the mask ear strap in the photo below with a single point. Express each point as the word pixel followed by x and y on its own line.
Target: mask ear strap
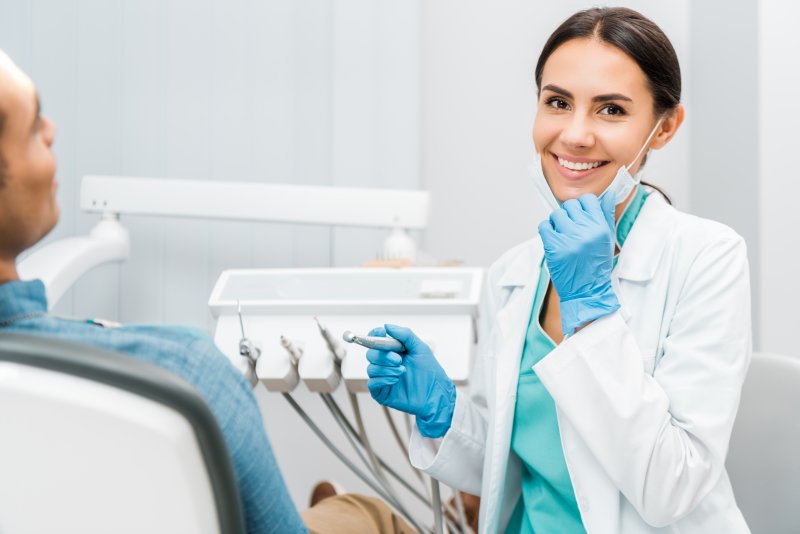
pixel 647 141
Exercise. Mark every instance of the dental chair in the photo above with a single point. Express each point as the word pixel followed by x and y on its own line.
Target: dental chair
pixel 764 456
pixel 95 442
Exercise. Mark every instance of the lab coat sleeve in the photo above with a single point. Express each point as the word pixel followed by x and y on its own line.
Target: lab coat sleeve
pixel 456 459
pixel 663 438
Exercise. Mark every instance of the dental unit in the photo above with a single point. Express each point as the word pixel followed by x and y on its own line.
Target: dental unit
pixel 280 327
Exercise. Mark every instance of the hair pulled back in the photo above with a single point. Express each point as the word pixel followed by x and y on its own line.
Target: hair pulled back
pixel 633 33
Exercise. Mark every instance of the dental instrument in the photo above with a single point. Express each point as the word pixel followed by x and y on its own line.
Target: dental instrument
pixel 372 342
pixel 295 352
pixel 336 350
pixel 249 350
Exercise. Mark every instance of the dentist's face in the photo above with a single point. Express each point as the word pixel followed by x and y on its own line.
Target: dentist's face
pixel 595 112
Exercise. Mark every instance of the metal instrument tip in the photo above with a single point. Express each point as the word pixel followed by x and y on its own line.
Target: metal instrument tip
pixel 348 336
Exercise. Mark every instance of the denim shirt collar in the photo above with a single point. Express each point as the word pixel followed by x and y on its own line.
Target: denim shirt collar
pixel 20 299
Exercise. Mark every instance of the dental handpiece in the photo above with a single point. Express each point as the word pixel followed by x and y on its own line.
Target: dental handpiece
pixel 295 352
pixel 372 342
pixel 337 351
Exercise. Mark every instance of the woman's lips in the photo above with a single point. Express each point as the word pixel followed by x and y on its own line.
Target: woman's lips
pixel 571 174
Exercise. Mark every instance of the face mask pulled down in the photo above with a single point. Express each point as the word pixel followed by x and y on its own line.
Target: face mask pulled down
pixel 621 186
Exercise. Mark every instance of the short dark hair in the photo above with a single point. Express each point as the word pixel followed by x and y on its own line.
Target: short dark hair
pixel 633 33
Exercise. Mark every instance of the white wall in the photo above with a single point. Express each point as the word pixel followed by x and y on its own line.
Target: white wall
pixel 725 135
pixel 286 91
pixel 779 115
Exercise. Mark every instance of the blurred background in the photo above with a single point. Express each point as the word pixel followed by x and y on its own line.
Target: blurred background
pixel 435 95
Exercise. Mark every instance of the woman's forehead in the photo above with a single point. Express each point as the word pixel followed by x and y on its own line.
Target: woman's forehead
pixel 589 67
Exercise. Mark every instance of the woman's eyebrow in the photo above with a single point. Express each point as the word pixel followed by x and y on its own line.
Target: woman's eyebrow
pixel 599 98
pixel 612 96
pixel 557 89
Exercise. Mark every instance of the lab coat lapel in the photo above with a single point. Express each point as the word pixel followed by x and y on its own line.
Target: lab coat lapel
pixel 644 246
pixel 519 283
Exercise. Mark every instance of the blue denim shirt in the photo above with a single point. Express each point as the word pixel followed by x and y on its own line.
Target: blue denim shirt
pixel 192 355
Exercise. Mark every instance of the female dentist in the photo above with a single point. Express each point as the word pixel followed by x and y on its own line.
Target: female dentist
pixel 614 345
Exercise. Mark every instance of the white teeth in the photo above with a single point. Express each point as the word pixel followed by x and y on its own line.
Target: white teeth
pixel 578 166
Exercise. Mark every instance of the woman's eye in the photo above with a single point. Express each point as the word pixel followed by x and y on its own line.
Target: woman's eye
pixel 612 109
pixel 557 103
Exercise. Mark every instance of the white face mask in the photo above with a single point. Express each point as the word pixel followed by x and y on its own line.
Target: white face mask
pixel 621 186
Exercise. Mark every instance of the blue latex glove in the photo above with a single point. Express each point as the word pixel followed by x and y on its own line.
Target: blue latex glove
pixel 579 250
pixel 412 382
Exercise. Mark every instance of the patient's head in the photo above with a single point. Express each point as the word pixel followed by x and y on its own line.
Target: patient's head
pixel 28 207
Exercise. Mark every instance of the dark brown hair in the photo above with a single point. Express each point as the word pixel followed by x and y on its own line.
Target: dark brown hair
pixel 636 35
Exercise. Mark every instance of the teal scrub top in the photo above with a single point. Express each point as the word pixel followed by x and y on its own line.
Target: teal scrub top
pixel 548 502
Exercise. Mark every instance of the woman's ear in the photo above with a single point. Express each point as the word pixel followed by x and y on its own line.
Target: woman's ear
pixel 669 127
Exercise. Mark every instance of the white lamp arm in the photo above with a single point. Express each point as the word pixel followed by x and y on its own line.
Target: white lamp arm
pixel 61 263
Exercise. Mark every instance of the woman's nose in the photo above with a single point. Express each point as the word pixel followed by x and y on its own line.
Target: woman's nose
pixel 578 133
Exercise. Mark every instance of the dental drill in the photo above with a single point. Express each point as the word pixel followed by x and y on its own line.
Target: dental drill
pixel 374 342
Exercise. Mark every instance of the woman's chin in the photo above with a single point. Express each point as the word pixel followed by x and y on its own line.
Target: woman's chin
pixel 565 192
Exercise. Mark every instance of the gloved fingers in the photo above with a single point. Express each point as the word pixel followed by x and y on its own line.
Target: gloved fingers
pixel 590 204
pixel 546 231
pixel 574 209
pixel 384 357
pixel 381 384
pixel 560 220
pixel 608 205
pixel 377 371
pixel 405 336
pixel 378 331
pixel 379 392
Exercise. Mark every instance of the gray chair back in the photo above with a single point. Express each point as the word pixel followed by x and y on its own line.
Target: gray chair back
pixel 764 457
pixel 94 442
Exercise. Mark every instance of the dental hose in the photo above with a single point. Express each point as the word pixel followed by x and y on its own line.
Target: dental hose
pixel 386 494
pixel 322 437
pixel 345 424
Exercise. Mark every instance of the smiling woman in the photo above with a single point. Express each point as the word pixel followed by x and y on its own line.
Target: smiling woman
pixel 614 78
pixel 614 343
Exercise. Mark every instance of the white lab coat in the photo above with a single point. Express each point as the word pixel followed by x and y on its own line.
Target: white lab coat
pixel 646 397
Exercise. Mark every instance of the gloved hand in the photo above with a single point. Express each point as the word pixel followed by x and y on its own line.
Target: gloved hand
pixel 579 250
pixel 413 382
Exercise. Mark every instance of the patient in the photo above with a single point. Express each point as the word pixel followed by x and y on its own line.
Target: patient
pixel 28 211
